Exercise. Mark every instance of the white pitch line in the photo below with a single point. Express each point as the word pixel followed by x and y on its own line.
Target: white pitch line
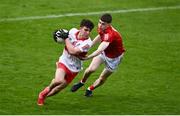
pixel 89 13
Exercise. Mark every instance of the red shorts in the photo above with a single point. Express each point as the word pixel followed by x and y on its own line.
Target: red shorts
pixel 69 74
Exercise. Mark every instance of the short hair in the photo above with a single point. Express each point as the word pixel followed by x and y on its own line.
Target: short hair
pixel 87 23
pixel 106 18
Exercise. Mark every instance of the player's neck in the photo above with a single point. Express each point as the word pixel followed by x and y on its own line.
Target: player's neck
pixel 81 37
pixel 108 27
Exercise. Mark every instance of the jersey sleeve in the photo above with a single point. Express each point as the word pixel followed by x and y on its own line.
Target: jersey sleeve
pixel 72 33
pixel 107 37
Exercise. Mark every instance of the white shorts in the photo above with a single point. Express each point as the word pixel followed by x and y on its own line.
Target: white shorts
pixel 111 63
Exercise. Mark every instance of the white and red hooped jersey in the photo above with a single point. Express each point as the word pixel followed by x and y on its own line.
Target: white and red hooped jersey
pixel 72 62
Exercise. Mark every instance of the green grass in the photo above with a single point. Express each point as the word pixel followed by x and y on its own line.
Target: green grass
pixel 147 81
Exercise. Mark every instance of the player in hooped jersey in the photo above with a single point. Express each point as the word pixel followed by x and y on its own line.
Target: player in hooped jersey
pixel 110 52
pixel 77 44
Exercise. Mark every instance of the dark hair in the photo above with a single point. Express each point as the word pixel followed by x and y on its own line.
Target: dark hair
pixel 106 18
pixel 86 22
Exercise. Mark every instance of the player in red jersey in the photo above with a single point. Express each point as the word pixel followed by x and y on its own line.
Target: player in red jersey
pixel 77 44
pixel 109 52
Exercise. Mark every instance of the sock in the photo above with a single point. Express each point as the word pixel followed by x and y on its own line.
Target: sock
pixel 45 91
pixel 91 88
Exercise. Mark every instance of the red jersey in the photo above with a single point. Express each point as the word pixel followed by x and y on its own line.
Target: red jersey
pixel 115 47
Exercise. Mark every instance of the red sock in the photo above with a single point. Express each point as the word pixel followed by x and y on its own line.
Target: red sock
pixel 45 91
pixel 91 88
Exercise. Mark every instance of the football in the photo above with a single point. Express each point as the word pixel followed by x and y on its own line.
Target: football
pixel 60 35
pixel 59 40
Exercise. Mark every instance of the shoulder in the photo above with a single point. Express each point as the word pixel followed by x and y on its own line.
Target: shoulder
pixel 73 31
pixel 114 33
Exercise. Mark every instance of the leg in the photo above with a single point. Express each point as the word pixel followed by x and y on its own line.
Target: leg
pixel 100 81
pixel 96 62
pixel 57 89
pixel 57 84
pixel 92 68
pixel 111 65
pixel 103 77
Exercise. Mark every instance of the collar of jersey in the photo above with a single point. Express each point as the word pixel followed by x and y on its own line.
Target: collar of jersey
pixel 83 39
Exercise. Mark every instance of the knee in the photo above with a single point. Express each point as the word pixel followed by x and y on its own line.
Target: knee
pixel 61 82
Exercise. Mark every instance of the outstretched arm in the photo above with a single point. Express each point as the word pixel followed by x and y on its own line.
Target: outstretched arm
pixel 96 40
pixel 100 49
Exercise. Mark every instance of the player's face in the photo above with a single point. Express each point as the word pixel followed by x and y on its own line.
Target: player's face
pixel 84 32
pixel 102 25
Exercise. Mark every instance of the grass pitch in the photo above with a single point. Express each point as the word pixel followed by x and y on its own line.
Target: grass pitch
pixel 147 81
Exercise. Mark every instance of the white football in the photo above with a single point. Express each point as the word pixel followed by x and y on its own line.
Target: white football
pixel 57 35
pixel 60 40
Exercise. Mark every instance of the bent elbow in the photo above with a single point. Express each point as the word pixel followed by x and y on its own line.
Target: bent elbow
pixel 72 52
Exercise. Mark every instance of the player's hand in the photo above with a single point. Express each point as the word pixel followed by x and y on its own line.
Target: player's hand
pixel 64 33
pixel 61 33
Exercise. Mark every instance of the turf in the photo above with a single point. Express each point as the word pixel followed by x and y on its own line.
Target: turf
pixel 147 81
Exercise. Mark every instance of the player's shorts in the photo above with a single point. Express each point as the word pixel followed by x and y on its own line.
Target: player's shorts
pixel 69 74
pixel 111 63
